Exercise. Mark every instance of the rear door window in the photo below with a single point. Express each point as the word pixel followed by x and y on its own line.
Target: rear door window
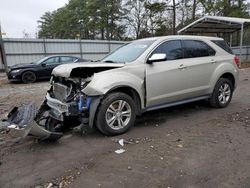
pixel 67 59
pixel 172 49
pixel 195 48
pixel 222 44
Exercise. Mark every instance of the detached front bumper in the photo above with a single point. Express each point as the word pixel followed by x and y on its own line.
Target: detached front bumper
pixel 21 123
pixel 25 120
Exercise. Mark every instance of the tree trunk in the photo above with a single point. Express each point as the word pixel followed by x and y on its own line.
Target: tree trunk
pixel 174 17
pixel 102 33
pixel 194 10
pixel 239 3
pixel 227 8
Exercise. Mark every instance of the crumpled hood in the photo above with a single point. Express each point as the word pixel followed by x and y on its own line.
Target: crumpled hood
pixel 83 70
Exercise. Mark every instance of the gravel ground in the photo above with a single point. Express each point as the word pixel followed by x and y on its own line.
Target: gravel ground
pixel 190 145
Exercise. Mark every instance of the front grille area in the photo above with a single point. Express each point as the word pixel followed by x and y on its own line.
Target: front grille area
pixel 60 91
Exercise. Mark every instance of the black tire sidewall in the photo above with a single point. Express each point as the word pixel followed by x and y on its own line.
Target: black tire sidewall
pixel 215 101
pixel 24 81
pixel 50 124
pixel 101 113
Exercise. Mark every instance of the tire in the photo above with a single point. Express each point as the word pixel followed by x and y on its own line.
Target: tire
pixel 116 114
pixel 28 77
pixel 222 94
pixel 54 126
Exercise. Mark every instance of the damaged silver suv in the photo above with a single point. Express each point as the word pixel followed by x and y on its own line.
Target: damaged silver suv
pixel 143 75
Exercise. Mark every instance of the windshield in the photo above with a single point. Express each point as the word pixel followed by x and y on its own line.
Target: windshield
pixel 129 52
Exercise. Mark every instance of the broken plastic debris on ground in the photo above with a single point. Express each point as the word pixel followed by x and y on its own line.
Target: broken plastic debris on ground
pixel 121 142
pixel 120 151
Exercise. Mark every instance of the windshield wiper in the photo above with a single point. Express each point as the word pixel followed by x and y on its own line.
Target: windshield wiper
pixel 110 61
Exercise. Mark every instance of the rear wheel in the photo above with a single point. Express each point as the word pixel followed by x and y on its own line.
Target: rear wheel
pixel 116 114
pixel 222 93
pixel 28 77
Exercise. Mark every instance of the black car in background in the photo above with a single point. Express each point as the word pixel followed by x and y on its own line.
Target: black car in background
pixel 38 70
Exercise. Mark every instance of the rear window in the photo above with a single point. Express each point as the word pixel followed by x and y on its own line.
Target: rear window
pixel 223 45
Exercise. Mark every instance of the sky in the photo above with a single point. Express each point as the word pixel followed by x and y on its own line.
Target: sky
pixel 18 16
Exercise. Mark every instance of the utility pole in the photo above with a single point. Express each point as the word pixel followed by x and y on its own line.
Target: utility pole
pixel 2 51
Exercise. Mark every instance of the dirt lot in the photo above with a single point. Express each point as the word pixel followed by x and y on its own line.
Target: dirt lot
pixel 186 146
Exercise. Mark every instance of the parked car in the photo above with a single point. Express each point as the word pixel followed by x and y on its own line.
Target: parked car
pixel 144 75
pixel 41 69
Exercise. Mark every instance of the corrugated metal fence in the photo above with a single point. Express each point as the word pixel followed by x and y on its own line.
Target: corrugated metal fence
pixel 19 51
pixel 245 53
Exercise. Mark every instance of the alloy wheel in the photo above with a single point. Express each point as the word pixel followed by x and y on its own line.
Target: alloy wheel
pixel 29 77
pixel 118 114
pixel 224 93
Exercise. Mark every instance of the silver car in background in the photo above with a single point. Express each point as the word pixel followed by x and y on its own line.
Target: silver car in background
pixel 143 75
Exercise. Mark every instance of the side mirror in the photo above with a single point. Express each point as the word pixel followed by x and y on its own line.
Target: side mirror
pixel 43 64
pixel 156 58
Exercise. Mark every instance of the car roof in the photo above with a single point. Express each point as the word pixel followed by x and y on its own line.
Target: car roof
pixel 194 37
pixel 61 56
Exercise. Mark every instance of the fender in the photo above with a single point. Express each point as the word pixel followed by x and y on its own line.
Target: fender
pixel 102 83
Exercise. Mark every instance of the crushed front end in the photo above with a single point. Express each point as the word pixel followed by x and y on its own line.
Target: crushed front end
pixel 65 105
pixel 66 100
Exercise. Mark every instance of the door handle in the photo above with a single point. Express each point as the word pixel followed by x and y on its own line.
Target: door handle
pixel 213 61
pixel 181 67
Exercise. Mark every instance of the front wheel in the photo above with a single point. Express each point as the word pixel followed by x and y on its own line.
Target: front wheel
pixel 28 77
pixel 222 93
pixel 116 114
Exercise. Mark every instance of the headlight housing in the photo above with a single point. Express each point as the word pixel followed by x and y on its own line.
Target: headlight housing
pixel 15 71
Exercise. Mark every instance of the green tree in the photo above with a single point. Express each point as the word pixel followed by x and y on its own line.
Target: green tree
pixel 85 19
pixel 45 25
pixel 156 20
pixel 234 8
pixel 131 19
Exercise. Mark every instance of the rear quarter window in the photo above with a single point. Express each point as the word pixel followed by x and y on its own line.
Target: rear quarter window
pixel 222 44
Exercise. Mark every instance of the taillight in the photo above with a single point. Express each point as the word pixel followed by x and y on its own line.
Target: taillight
pixel 237 60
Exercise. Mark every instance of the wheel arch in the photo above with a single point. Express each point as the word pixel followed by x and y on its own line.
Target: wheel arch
pixel 225 70
pixel 229 76
pixel 130 92
pixel 122 88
